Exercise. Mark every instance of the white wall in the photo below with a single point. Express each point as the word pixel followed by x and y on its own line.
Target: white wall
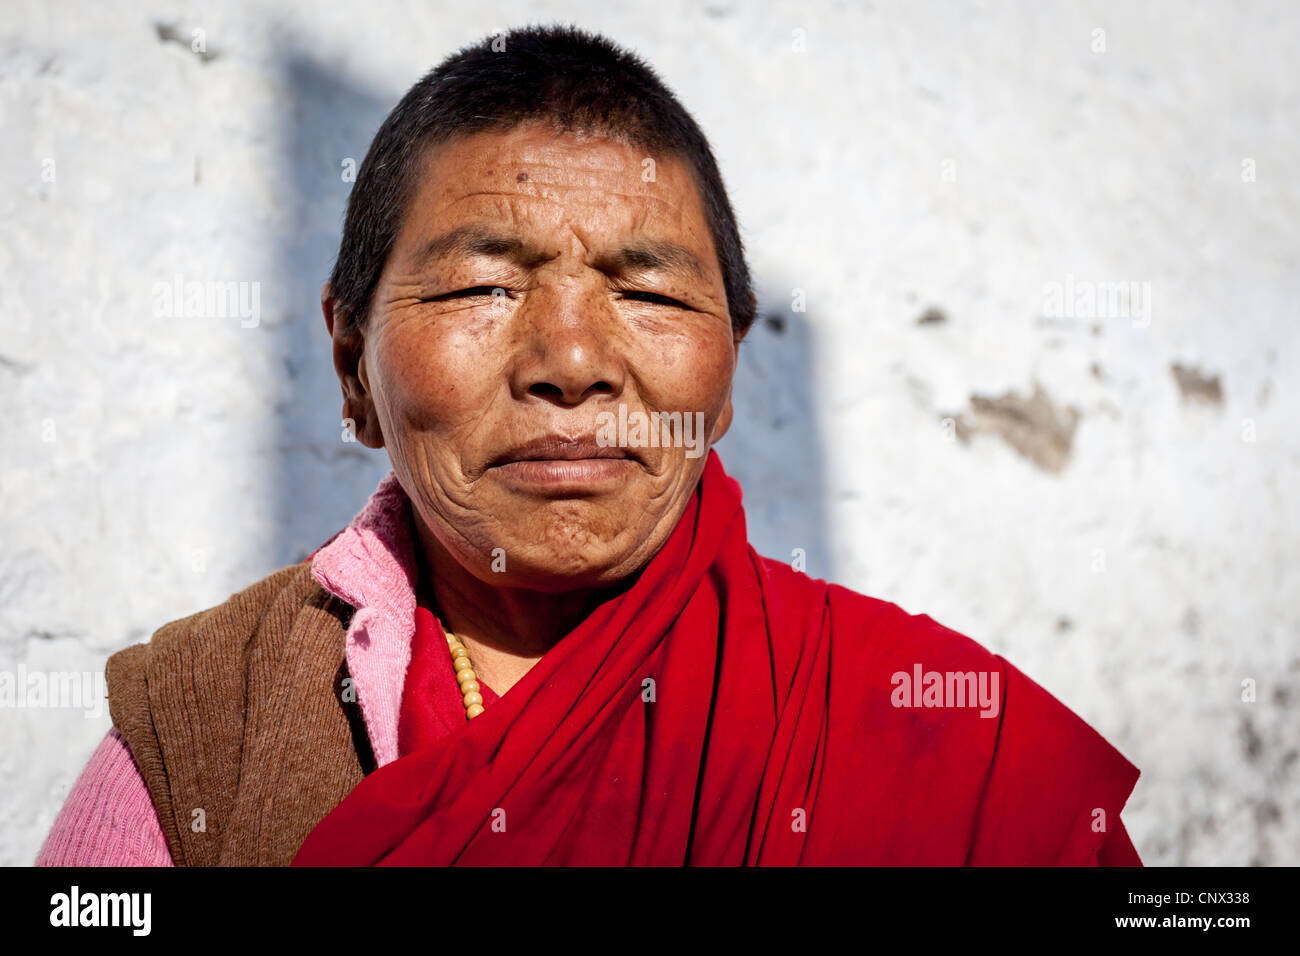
pixel 957 157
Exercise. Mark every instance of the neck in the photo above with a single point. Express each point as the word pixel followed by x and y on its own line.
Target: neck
pixel 505 629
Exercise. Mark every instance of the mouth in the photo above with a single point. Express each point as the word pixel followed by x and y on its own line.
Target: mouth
pixel 559 448
pixel 558 465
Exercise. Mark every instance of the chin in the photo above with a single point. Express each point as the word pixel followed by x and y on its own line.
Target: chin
pixel 580 575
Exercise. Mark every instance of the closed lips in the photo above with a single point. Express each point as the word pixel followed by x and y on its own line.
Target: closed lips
pixel 554 448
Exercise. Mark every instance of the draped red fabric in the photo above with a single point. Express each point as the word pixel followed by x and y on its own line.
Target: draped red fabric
pixel 432 706
pixel 728 709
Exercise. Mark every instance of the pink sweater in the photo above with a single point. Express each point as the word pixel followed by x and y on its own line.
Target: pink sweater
pixel 109 817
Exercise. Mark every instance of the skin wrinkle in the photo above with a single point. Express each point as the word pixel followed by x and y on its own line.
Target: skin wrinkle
pixel 448 385
pixel 644 258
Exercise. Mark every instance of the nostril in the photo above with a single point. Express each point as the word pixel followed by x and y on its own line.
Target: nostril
pixel 554 392
pixel 545 390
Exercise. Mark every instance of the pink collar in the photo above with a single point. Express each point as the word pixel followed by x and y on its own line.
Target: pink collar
pixel 371 565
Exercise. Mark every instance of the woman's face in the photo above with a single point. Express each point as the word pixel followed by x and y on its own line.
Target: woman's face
pixel 541 281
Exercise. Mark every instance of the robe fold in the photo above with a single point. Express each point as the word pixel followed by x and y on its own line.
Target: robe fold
pixel 726 709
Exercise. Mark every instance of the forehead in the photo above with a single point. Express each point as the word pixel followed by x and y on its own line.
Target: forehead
pixel 539 181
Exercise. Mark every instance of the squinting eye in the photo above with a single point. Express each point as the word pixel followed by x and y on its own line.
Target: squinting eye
pixel 490 291
pixel 654 297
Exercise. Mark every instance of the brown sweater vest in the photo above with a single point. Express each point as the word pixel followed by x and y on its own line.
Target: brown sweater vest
pixel 240 724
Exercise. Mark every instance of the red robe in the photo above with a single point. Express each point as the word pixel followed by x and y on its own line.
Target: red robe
pixel 727 709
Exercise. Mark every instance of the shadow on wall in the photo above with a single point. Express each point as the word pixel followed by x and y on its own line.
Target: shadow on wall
pixel 323 479
pixel 774 447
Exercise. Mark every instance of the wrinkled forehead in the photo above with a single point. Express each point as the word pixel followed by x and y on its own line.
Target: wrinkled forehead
pixel 537 180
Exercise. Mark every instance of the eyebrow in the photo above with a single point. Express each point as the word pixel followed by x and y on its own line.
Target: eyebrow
pixel 654 255
pixel 474 241
pixel 648 255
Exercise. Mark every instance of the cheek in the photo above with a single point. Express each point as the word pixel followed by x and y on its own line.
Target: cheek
pixel 691 373
pixel 430 381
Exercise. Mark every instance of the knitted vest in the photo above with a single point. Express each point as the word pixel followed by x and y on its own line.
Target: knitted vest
pixel 241 722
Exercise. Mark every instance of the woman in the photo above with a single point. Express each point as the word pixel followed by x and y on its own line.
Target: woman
pixel 546 639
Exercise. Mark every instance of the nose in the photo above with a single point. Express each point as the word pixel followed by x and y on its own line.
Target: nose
pixel 568 348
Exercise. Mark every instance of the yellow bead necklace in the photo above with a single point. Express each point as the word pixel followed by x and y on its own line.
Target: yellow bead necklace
pixel 465 676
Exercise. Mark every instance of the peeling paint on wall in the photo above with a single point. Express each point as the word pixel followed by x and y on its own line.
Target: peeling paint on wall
pixel 1035 427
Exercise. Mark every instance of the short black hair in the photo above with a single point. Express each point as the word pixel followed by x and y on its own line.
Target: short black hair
pixel 576 80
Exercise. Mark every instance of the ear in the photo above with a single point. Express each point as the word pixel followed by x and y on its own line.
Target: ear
pixel 724 421
pixel 350 366
pixel 753 317
pixel 728 412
